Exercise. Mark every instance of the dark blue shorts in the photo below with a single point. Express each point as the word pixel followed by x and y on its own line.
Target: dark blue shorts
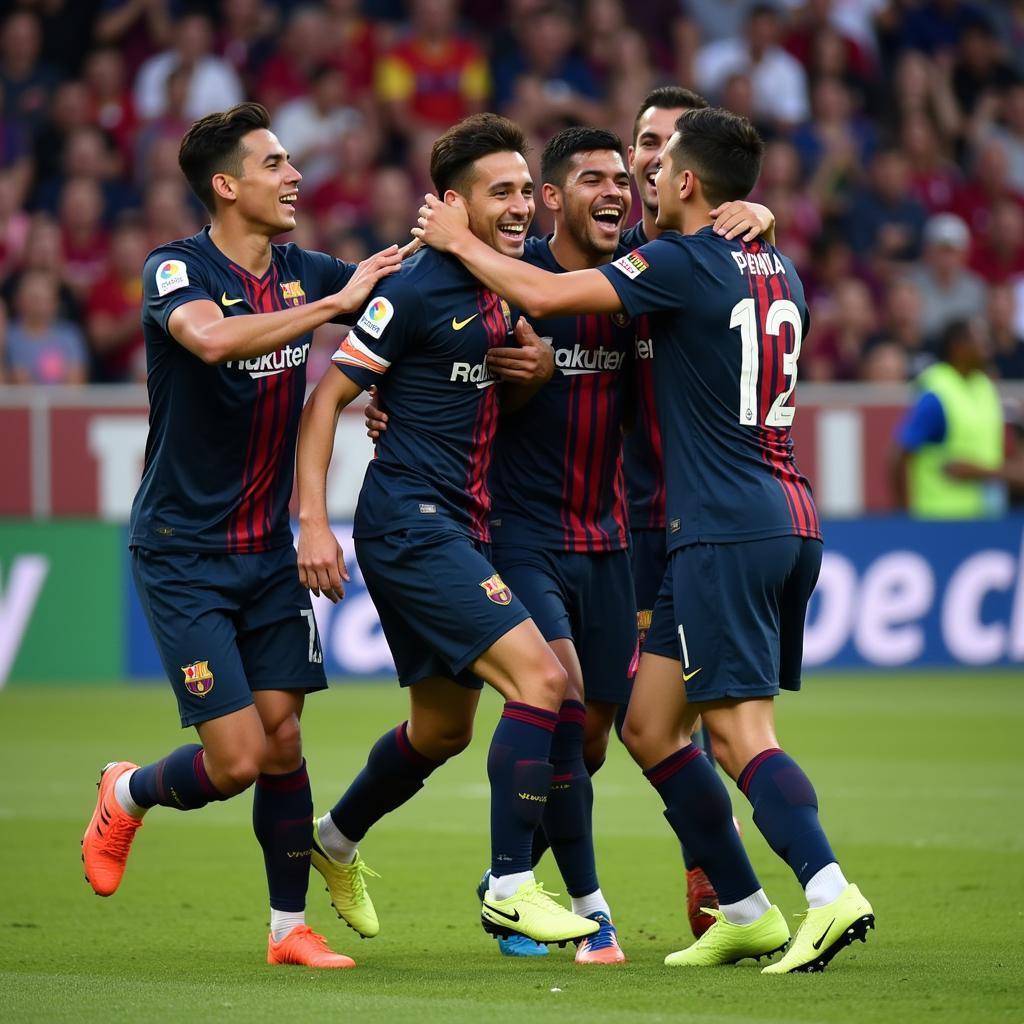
pixel 649 561
pixel 586 598
pixel 440 600
pixel 226 625
pixel 733 614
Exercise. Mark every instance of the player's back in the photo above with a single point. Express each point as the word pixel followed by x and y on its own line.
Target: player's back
pixel 423 341
pixel 220 451
pixel 727 321
pixel 557 473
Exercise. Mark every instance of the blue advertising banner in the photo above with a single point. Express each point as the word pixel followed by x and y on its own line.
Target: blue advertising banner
pixel 892 593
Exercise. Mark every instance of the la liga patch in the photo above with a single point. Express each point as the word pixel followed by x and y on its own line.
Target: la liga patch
pixel 632 264
pixel 170 276
pixel 376 316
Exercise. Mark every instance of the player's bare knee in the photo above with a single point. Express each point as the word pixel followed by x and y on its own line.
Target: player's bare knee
pixel 595 749
pixel 284 746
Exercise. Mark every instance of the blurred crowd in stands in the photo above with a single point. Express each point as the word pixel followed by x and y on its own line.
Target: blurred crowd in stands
pixel 894 129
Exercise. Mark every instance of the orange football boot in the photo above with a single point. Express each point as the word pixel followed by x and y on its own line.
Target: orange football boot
pixel 700 893
pixel 108 839
pixel 302 946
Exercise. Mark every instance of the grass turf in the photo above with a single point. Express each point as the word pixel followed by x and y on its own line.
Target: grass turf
pixel 919 778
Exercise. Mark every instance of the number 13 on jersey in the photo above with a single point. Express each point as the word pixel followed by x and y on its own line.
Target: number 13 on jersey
pixel 744 316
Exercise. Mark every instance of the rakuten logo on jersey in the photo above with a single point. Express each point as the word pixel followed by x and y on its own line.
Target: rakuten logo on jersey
pixel 272 363
pixel 588 360
pixel 473 373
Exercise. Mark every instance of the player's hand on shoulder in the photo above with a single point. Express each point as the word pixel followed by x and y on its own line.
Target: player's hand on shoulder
pixel 367 274
pixel 321 562
pixel 440 224
pixel 376 417
pixel 751 220
pixel 532 361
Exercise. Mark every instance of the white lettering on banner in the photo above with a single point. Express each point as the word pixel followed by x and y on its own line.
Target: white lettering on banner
pixel 356 639
pixel 17 602
pixel 835 599
pixel 118 443
pixel 968 638
pixel 896 591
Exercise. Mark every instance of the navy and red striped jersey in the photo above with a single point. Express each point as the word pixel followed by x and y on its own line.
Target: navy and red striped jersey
pixel 557 479
pixel 221 448
pixel 422 340
pixel 727 321
pixel 642 455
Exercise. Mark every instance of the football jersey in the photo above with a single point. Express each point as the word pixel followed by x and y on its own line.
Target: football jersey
pixel 557 479
pixel 422 340
pixel 642 454
pixel 727 320
pixel 221 447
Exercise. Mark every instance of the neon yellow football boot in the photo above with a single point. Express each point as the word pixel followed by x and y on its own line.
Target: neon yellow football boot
pixel 346 884
pixel 726 943
pixel 531 911
pixel 825 931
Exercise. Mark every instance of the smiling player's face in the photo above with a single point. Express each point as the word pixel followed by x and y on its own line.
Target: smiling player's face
pixel 595 200
pixel 500 202
pixel 268 190
pixel 654 128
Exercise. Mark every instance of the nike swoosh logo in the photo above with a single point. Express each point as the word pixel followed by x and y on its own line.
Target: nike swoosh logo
pixel 817 945
pixel 501 913
pixel 457 325
pixel 687 676
pixel 225 301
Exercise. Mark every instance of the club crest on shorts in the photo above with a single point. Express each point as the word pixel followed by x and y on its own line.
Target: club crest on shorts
pixel 495 589
pixel 198 678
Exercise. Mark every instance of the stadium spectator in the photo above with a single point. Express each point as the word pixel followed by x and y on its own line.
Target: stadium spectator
pixel 392 210
pixel 303 47
pixel 884 362
pixel 797 217
pixel 113 309
pixel 987 185
pixel 41 347
pixel 999 255
pixel 170 126
pixel 354 46
pixel 310 126
pixel 937 26
pixel 14 223
pixel 902 324
pixel 213 82
pixel 136 28
pixel 923 86
pixel 343 200
pixel 957 419
pixel 779 80
pixel 547 84
pixel 934 176
pixel 67 112
pixel 883 223
pixel 86 242
pixel 981 68
pixel 833 126
pixel 168 212
pixel 44 250
pixel 949 289
pixel 1006 340
pixel 110 104
pixel 1009 130
pixel 837 347
pixel 246 37
pixel 25 79
pixel 434 76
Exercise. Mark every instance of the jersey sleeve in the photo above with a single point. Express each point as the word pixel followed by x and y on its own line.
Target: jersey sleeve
pixel 924 424
pixel 657 276
pixel 385 330
pixel 331 275
pixel 169 280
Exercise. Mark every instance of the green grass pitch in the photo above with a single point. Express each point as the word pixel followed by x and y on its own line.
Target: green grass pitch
pixel 920 780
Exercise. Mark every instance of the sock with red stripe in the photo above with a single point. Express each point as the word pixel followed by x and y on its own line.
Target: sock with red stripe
pixel 282 818
pixel 540 839
pixel 568 812
pixel 179 780
pixel 786 811
pixel 698 809
pixel 520 775
pixel 395 771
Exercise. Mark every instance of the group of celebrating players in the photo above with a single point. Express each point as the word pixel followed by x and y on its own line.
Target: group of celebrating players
pixel 502 531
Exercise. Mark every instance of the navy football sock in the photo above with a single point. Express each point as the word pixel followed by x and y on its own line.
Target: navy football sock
pixel 520 777
pixel 698 809
pixel 567 814
pixel 786 812
pixel 179 780
pixel 394 772
pixel 540 839
pixel 282 818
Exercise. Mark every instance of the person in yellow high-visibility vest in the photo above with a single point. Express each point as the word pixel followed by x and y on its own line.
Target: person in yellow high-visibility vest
pixel 947 457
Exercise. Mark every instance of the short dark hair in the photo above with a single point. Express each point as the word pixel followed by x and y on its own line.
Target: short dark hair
pixel 668 97
pixel 723 149
pixel 213 145
pixel 561 148
pixel 474 137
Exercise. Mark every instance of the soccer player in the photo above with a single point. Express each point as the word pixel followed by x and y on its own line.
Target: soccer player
pixel 422 538
pixel 228 319
pixel 744 540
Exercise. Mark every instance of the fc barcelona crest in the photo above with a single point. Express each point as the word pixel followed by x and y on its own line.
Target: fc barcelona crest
pixel 507 314
pixel 496 591
pixel 198 678
pixel 292 293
